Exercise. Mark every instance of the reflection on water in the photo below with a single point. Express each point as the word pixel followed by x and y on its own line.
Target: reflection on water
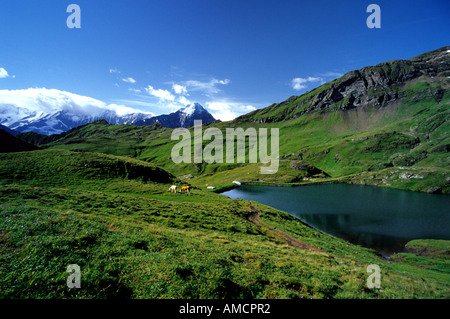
pixel 379 218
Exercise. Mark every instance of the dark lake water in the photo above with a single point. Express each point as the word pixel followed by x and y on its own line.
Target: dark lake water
pixel 380 218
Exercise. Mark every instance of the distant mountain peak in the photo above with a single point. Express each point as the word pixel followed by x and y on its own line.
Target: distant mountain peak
pixel 184 117
pixel 192 108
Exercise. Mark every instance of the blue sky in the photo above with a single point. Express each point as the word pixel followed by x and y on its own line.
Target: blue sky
pixel 231 56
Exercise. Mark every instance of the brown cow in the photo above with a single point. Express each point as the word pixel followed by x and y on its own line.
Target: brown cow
pixel 185 188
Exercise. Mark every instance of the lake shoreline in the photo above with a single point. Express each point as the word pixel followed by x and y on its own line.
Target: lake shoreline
pixel 281 184
pixel 349 179
pixel 371 228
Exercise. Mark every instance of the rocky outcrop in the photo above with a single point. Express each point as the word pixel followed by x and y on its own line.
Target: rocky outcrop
pixel 434 190
pixel 309 169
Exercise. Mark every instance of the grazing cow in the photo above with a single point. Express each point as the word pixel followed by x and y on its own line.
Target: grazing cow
pixel 185 188
pixel 173 188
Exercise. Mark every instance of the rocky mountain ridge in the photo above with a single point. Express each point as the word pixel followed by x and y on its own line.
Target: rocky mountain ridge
pixel 370 87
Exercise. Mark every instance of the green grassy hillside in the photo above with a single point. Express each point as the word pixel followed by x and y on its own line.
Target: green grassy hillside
pixel 134 239
pixel 385 125
pixel 376 147
pixel 97 196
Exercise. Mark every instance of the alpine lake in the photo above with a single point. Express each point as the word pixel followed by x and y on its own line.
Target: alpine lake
pixel 379 218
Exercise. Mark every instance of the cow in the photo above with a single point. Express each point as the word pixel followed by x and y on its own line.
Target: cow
pixel 173 188
pixel 185 188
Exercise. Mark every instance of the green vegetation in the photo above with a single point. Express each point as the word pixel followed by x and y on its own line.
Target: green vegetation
pixel 97 196
pixel 134 239
pixel 371 147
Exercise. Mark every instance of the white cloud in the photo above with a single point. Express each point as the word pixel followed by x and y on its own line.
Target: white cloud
pixel 217 106
pixel 163 95
pixel 114 71
pixel 249 108
pixel 140 103
pixel 331 74
pixel 208 87
pixel 167 100
pixel 3 73
pixel 227 111
pixel 302 83
pixel 179 89
pixel 33 102
pixel 183 100
pixel 223 82
pixel 135 90
pixel 224 115
pixel 180 96
pixel 129 80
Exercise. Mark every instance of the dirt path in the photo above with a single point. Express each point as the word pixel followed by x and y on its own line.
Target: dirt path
pixel 277 233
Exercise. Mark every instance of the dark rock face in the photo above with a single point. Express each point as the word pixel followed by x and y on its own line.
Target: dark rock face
pixel 308 168
pixel 434 190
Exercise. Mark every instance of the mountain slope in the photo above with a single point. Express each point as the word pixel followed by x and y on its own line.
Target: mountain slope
pixel 394 132
pixel 6 129
pixel 95 129
pixel 9 143
pixel 371 87
pixel 60 167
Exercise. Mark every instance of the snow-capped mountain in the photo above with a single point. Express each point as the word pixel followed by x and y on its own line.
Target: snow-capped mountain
pixel 52 111
pixel 184 117
pixel 22 119
pixel 62 121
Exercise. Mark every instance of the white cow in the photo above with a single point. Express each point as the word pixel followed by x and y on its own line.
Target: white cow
pixel 173 188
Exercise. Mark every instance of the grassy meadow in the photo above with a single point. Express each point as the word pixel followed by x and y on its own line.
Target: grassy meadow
pixel 97 196
pixel 134 239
